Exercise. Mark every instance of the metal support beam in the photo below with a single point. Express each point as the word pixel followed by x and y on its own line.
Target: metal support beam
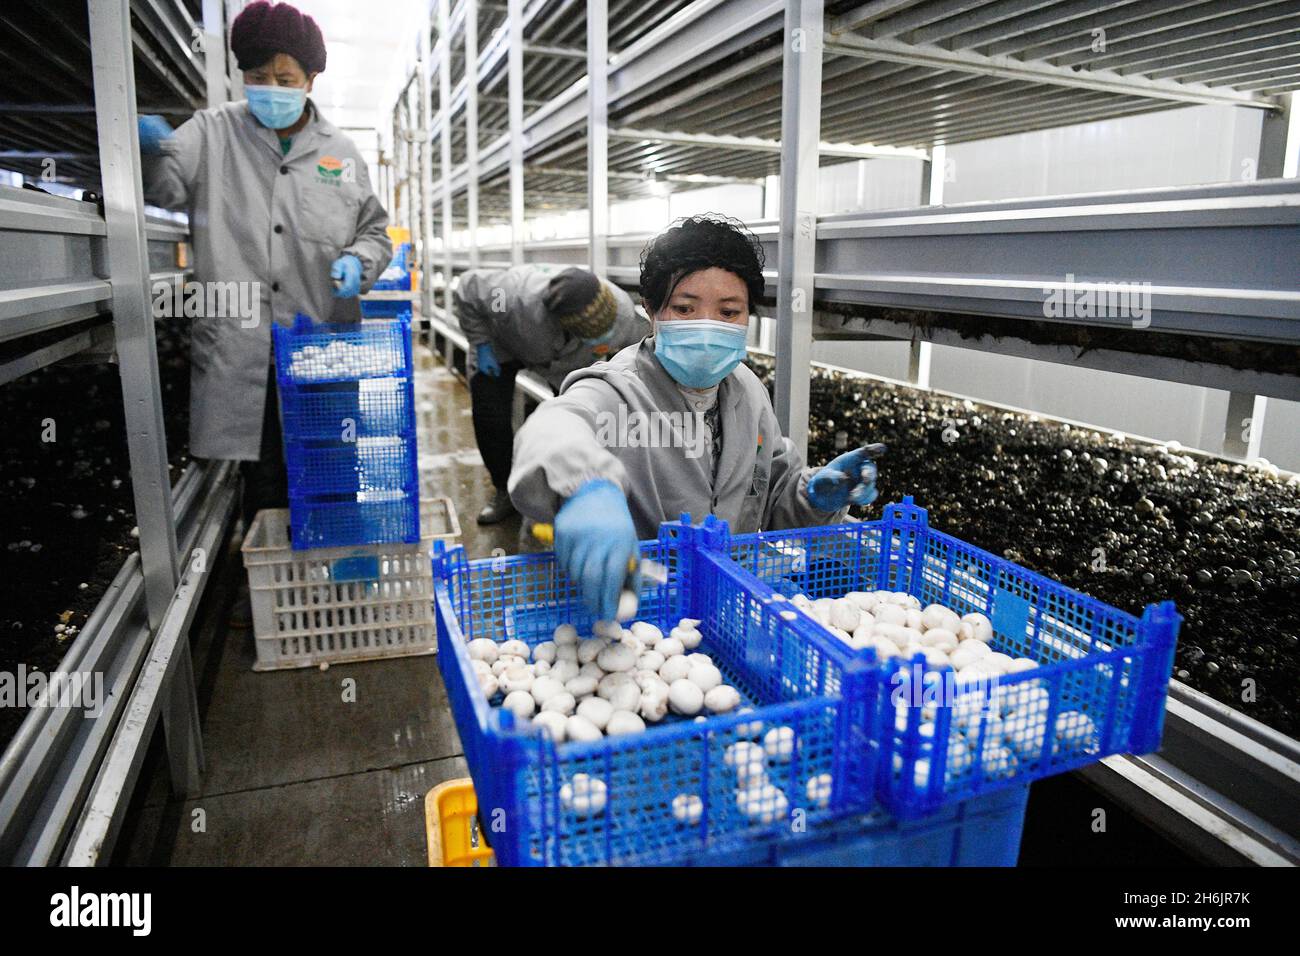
pixel 598 134
pixel 1008 67
pixel 425 165
pixel 515 88
pixel 471 128
pixel 760 145
pixel 128 260
pixel 932 180
pixel 800 134
pixel 214 53
pixel 1243 427
pixel 444 142
pixel 1279 141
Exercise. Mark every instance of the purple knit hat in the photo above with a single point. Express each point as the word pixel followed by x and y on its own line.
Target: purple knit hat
pixel 264 29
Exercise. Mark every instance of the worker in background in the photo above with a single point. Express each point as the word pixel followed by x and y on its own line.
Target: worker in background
pixel 279 198
pixel 674 424
pixel 550 320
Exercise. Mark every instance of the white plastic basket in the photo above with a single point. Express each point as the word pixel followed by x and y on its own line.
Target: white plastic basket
pixel 332 605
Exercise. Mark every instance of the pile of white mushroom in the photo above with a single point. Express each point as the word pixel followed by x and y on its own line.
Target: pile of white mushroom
pixel 1005 724
pixel 609 684
pixel 340 360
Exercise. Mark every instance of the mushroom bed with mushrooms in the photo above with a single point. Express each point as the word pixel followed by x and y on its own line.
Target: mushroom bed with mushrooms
pixel 1124 521
pixel 66 508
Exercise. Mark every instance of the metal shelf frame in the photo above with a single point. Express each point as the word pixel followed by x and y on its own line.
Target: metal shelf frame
pixel 75 282
pixel 730 90
pixel 720 91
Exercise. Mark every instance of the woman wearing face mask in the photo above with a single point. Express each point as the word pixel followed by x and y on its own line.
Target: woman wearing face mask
pixel 282 219
pixel 675 423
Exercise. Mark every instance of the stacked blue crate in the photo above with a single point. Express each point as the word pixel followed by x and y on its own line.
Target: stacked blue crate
pixel 396 278
pixel 348 403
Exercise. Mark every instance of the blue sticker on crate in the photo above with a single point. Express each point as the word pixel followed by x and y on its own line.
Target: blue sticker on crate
pixel 1010 614
pixel 362 567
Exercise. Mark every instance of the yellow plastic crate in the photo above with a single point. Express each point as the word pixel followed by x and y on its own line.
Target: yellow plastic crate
pixel 450 810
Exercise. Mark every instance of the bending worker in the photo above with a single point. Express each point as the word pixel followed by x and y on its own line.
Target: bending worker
pixel 548 319
pixel 675 423
pixel 280 204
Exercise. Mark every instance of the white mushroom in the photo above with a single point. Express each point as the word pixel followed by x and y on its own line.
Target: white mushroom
pixel 584 685
pixel 561 703
pixel 670 647
pixel 545 651
pixel 980 625
pixel 674 669
pixel 704 676
pixel 818 790
pixel 565 634
pixel 518 677
pixel 764 804
pixel 687 808
pixel 580 728
pixel 778 743
pixel 647 632
pixel 589 649
pixel 653 705
pixel 483 649
pixel 624 722
pixel 941 638
pixel 516 648
pixel 583 795
pixel 597 710
pixel 563 671
pixel 625 696
pixel 722 699
pixel 650 661
pixel 685 697
pixel 520 703
pixel 546 687
pixel 488 684
pixel 552 724
pixel 617 657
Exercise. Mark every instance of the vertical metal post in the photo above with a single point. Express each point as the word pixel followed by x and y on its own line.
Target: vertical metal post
pixel 471 128
pixel 233 7
pixel 444 111
pixel 598 135
pixel 932 179
pixel 1278 141
pixel 796 249
pixel 113 69
pixel 426 171
pixel 515 89
pixel 214 52
pixel 1243 428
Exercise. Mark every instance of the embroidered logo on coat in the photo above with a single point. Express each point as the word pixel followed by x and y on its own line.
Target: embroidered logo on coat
pixel 329 167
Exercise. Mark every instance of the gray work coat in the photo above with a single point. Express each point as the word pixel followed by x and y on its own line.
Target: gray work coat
pixel 504 307
pixel 260 216
pixel 628 421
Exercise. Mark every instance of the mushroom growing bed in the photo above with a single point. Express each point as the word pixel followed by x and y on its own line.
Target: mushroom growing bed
pixel 1125 521
pixel 67 514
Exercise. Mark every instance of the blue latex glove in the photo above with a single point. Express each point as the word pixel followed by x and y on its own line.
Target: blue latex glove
pixel 848 479
pixel 346 273
pixel 486 360
pixel 154 131
pixel 594 541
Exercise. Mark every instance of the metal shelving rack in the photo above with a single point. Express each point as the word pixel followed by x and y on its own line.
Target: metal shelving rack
pixel 75 280
pixel 687 94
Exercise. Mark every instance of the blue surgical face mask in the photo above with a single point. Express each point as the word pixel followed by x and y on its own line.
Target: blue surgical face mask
pixel 699 353
pixel 276 107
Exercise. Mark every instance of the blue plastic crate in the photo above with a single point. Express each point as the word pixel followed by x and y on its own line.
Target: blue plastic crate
pixel 776 663
pixel 368 517
pixel 315 354
pixel 371 408
pixel 386 308
pixel 397 276
pixel 365 465
pixel 981 831
pixel 1100 687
